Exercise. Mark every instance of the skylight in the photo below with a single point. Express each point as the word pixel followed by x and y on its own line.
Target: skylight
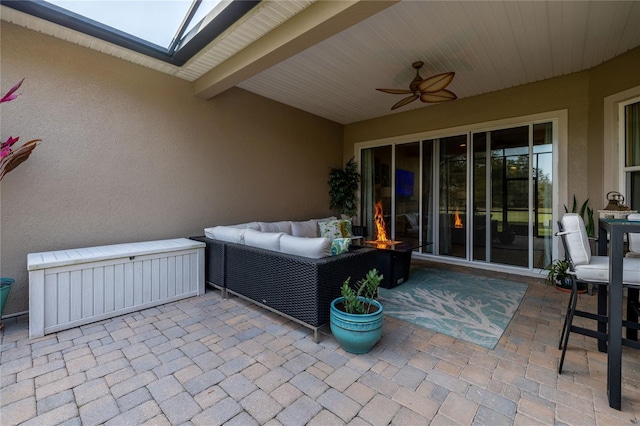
pixel 170 30
pixel 154 21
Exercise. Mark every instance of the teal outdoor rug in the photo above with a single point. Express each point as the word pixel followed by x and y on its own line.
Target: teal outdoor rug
pixel 469 307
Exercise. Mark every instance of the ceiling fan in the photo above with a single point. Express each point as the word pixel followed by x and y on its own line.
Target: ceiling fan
pixel 430 89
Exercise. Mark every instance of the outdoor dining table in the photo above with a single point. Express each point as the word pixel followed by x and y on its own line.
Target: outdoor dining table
pixel 617 228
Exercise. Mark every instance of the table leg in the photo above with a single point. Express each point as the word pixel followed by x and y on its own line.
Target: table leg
pixel 614 349
pixel 603 241
pixel 602 310
pixel 632 297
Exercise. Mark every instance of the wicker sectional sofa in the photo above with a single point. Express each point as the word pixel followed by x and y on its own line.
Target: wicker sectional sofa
pixel 298 287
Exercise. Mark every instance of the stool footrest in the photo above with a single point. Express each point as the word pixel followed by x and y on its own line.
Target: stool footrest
pixel 588 332
pixel 590 315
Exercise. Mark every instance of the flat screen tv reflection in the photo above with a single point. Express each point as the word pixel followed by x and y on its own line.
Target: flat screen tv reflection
pixel 404 183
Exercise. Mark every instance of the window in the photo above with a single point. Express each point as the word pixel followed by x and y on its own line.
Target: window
pixel 622 145
pixel 630 128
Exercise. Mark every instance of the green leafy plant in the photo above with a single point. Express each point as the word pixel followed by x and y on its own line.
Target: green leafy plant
pixel 343 185
pixel 584 209
pixel 558 272
pixel 560 276
pixel 366 288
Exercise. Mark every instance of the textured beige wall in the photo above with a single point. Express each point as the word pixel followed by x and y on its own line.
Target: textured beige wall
pixel 129 154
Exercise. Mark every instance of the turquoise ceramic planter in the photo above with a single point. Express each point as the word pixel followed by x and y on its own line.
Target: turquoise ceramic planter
pixel 356 333
pixel 5 286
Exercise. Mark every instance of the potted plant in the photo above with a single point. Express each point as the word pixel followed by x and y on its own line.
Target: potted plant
pixel 343 185
pixel 356 317
pixel 5 286
pixel 560 277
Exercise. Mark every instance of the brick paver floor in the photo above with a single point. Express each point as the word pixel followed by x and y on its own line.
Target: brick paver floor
pixel 209 361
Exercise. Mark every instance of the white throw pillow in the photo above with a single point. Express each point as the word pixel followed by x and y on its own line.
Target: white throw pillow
pixel 265 240
pixel 226 233
pixel 308 229
pixel 283 226
pixel 314 248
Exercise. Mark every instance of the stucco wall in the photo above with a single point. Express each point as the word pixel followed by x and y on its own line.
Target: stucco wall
pixel 129 154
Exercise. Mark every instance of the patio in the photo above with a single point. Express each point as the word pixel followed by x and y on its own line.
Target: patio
pixel 210 361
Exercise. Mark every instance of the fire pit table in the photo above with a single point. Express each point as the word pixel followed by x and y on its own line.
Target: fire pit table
pixel 394 261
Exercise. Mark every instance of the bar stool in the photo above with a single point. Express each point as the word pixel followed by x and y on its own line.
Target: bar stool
pixel 594 270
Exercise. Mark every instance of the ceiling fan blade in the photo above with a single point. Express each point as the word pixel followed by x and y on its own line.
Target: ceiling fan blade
pixel 440 96
pixel 396 91
pixel 436 83
pixel 405 101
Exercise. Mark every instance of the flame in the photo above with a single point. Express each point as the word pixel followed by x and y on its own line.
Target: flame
pixel 381 232
pixel 458 221
pixel 381 241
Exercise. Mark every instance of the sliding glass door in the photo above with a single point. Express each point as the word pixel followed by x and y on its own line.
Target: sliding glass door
pixel 481 197
pixel 376 167
pixel 452 166
pixel 512 181
pixel 407 193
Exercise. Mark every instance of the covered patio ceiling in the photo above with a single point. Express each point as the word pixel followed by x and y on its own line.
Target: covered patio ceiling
pixel 327 57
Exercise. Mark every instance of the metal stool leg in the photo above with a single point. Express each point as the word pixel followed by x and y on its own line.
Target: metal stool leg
pixel 572 295
pixel 569 322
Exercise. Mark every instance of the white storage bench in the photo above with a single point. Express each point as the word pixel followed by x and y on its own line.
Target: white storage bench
pixel 68 288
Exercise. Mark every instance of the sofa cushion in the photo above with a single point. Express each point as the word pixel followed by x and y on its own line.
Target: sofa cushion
pixel 336 229
pixel 340 245
pixel 226 233
pixel 283 226
pixel 308 229
pixel 314 248
pixel 265 240
pixel 251 225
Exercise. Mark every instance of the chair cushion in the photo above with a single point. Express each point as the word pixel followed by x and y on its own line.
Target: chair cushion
pixel 314 248
pixel 598 270
pixel 576 239
pixel 634 238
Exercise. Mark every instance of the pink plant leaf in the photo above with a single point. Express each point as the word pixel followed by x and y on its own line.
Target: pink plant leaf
pixel 9 96
pixel 10 142
pixel 5 151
